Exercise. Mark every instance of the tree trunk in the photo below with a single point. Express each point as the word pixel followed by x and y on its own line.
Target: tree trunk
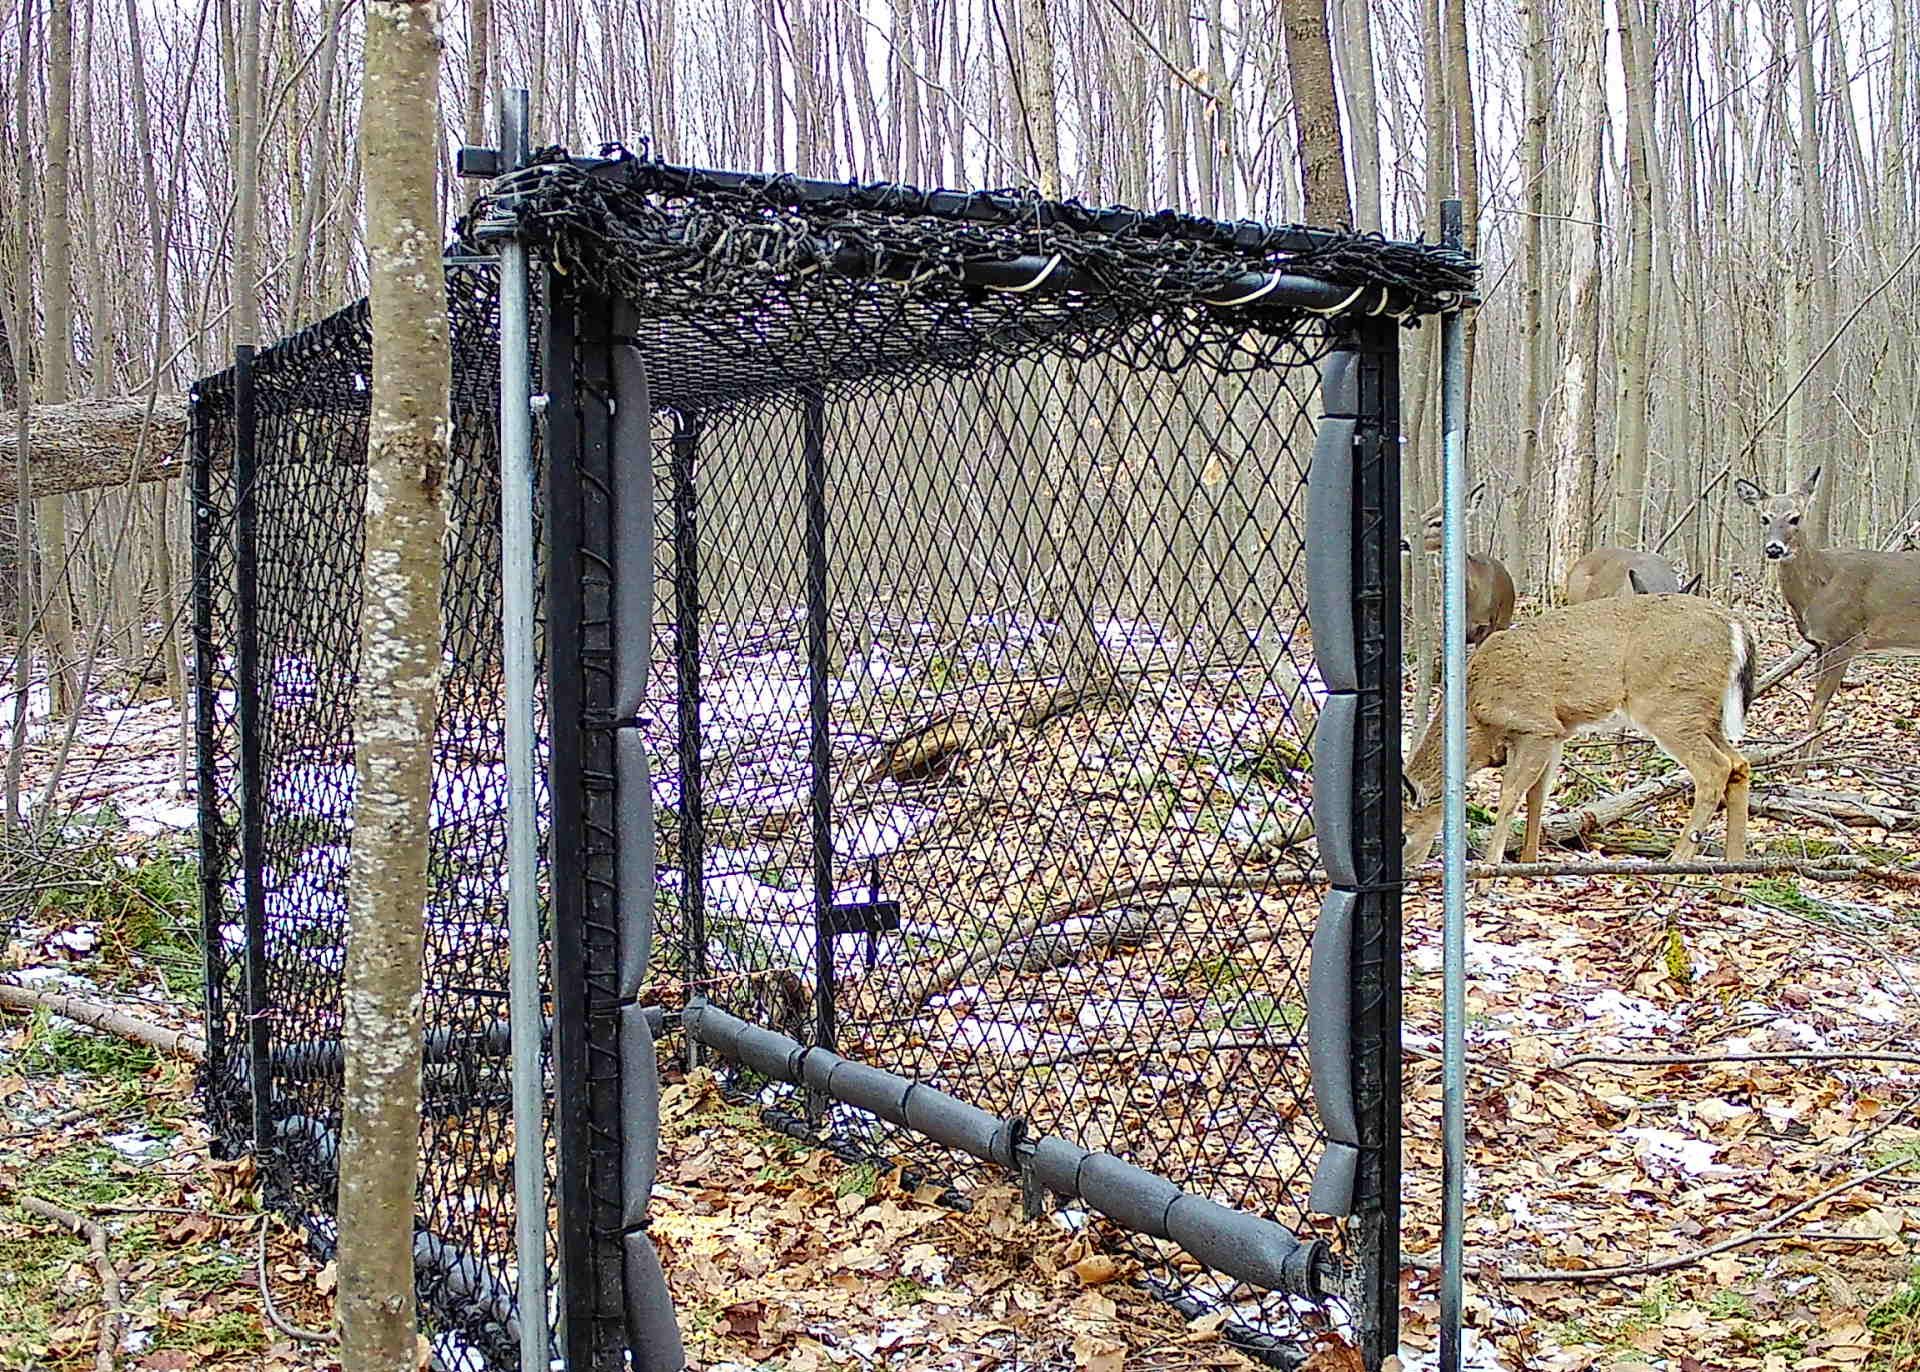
pixel 246 178
pixel 1316 113
pixel 1354 27
pixel 1040 101
pixel 1633 348
pixel 56 582
pixel 1571 444
pixel 83 445
pixel 394 712
pixel 1533 333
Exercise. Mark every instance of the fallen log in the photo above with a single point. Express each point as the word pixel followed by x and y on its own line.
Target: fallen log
pixel 83 445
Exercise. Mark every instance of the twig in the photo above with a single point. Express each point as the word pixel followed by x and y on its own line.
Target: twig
pixel 1814 869
pixel 106 1019
pixel 1696 1059
pixel 292 1331
pixel 1646 1269
pixel 170 1210
pixel 1777 674
pixel 96 1239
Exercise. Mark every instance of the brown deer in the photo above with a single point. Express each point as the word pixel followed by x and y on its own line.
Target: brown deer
pixel 1678 668
pixel 1623 571
pixel 1845 601
pixel 1489 588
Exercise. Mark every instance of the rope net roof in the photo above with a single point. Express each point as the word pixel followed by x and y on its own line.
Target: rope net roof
pixel 747 284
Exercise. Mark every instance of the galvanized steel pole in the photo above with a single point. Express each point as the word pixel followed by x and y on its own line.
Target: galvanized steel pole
pixel 523 874
pixel 1453 1069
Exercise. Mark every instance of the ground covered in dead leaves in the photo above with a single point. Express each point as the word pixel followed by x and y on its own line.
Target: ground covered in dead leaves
pixel 1805 1125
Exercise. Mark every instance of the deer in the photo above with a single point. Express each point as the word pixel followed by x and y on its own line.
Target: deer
pixel 1489 587
pixel 1678 668
pixel 1845 601
pixel 1623 571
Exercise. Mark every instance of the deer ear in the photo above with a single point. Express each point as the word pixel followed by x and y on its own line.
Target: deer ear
pixel 1693 586
pixel 1752 494
pixel 1633 580
pixel 1813 479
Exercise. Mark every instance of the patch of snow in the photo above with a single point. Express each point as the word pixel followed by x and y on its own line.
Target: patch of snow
pixel 134 1144
pixel 1665 1152
pixel 1476 1355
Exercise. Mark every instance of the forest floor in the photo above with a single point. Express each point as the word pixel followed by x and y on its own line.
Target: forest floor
pixel 785 1257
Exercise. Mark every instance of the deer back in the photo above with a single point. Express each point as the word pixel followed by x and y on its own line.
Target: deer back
pixel 1613 572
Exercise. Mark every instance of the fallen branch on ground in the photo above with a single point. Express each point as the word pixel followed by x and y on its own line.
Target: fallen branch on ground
pixel 292 1331
pixel 106 1019
pixel 1814 869
pixel 1699 1059
pixel 1781 671
pixel 1598 813
pixel 1647 1269
pixel 114 1320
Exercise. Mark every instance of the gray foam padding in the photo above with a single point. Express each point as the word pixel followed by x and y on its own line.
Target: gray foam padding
pixel 1330 1017
pixel 959 1125
pixel 653 1330
pixel 1340 384
pixel 1057 1163
pixel 868 1088
pixel 1128 1194
pixel 1333 1180
pixel 1253 1249
pixel 634 857
pixel 632 439
pixel 1330 535
pixel 639 1114
pixel 1333 743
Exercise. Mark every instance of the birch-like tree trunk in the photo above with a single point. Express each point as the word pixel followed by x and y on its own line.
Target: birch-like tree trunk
pixel 1633 348
pixel 1571 433
pixel 1354 46
pixel 1533 333
pixel 399 668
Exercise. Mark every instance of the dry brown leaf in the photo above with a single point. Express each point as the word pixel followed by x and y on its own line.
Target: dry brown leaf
pixel 1097 1269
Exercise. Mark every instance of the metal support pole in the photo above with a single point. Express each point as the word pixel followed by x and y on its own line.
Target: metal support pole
pixel 816 560
pixel 250 708
pixel 523 872
pixel 686 660
pixel 1453 1072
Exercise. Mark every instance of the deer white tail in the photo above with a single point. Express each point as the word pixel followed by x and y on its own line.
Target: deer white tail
pixel 1742 666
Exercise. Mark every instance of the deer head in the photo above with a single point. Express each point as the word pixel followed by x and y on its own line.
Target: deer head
pixel 1780 514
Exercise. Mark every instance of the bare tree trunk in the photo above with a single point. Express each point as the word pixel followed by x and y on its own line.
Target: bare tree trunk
pixel 1316 113
pixel 1572 433
pixel 246 178
pixel 1533 334
pixel 1466 159
pixel 394 712
pixel 1354 31
pixel 1634 346
pixel 1040 101
pixel 57 355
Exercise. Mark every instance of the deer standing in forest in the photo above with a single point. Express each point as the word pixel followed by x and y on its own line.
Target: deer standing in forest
pixel 1678 668
pixel 1845 601
pixel 1489 587
pixel 1623 571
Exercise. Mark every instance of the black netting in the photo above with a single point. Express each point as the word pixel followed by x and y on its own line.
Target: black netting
pixel 310 401
pixel 979 660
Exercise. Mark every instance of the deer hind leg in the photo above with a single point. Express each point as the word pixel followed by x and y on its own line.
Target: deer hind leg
pixel 1739 779
pixel 1710 765
pixel 1528 758
pixel 1537 802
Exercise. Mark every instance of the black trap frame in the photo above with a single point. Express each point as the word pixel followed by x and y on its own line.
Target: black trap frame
pixel 966 717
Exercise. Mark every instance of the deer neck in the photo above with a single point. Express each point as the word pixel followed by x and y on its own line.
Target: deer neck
pixel 1803 574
